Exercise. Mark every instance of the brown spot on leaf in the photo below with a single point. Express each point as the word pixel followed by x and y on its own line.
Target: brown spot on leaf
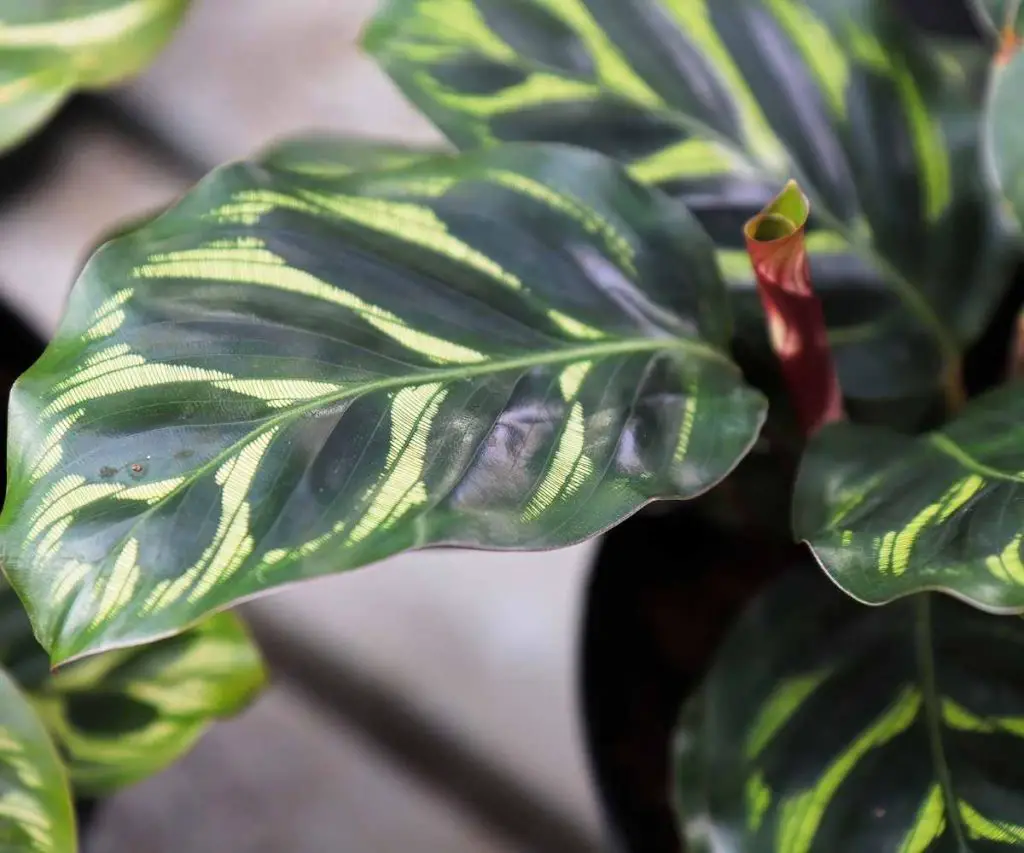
pixel 107 471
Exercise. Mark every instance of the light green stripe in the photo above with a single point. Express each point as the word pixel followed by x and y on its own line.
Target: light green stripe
pixel 613 70
pixel 694 17
pixel 800 816
pixel 822 53
pixel 784 701
pixel 85 31
pixel 929 823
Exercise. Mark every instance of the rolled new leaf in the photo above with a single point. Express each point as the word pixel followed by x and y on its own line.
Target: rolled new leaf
pixel 824 725
pixel 302 369
pixel 719 102
pixel 778 253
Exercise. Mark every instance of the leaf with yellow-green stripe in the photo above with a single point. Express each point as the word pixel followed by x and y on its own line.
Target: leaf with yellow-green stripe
pixel 720 102
pixel 48 50
pixel 888 514
pixel 36 814
pixel 299 371
pixel 120 717
pixel 825 726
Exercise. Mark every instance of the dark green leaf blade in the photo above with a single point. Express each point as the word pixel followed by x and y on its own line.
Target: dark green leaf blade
pixel 293 374
pixel 826 725
pixel 49 50
pixel 888 515
pixel 36 814
pixel 120 717
pixel 720 103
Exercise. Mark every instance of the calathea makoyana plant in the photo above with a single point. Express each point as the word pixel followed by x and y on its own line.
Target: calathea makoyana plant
pixel 665 222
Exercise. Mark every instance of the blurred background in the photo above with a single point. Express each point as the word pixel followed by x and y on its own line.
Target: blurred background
pixel 427 704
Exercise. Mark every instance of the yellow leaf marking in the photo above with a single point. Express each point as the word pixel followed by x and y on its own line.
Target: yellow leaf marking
pixel 980 827
pixel 929 823
pixel 779 708
pixel 258 267
pixel 412 415
pixel 694 17
pixel 120 585
pixel 759 798
pixel 97 28
pixel 572 378
pixel 1007 566
pixel 567 471
pixel 822 53
pixel 801 814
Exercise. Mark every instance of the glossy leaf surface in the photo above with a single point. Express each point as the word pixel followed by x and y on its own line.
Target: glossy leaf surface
pixel 720 103
pixel 888 515
pixel 120 717
pixel 50 49
pixel 828 726
pixel 36 815
pixel 291 374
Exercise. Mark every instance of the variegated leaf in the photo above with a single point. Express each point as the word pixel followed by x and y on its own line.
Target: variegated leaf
pixel 824 725
pixel 720 102
pixel 36 815
pixel 120 717
pixel 888 515
pixel 50 49
pixel 295 373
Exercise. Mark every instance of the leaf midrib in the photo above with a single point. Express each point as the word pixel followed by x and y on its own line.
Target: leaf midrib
pixel 566 355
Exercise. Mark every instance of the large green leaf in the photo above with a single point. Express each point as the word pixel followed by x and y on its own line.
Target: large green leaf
pixel 295 373
pixel 888 515
pixel 829 727
pixel 122 716
pixel 50 49
pixel 720 102
pixel 36 815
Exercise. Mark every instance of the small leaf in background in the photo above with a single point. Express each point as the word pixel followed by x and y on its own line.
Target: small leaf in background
pixel 796 325
pixel 125 715
pixel 719 103
pixel 1004 125
pixel 297 372
pixel 824 725
pixel 36 814
pixel 888 514
pixel 1000 17
pixel 48 50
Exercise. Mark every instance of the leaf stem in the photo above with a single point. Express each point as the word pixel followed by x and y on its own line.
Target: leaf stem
pixel 933 712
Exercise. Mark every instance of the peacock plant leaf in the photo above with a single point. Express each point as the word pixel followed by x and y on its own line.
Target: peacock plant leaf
pixel 295 373
pixel 120 717
pixel 888 515
pixel 50 50
pixel 720 103
pixel 36 814
pixel 848 729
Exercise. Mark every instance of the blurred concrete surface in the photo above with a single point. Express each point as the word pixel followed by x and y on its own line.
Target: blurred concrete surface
pixel 483 643
pixel 284 779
